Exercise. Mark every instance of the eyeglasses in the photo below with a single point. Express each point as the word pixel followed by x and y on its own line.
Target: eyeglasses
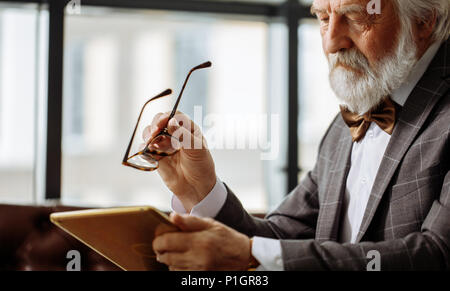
pixel 163 144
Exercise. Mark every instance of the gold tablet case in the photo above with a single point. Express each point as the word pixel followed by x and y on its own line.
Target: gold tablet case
pixel 123 235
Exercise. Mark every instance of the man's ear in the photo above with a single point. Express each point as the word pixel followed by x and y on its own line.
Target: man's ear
pixel 425 26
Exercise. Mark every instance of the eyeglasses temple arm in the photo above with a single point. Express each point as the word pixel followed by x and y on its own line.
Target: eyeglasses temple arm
pixel 201 66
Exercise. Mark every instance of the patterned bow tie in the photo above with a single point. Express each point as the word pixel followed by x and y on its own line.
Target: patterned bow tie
pixel 383 116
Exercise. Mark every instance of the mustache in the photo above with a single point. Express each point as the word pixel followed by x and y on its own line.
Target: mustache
pixel 352 58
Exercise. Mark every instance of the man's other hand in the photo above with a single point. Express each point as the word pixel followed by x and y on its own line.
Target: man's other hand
pixel 202 244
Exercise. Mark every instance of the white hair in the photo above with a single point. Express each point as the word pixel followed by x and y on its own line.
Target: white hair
pixel 413 10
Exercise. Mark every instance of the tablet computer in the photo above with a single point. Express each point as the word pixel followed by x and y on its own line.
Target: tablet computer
pixel 123 235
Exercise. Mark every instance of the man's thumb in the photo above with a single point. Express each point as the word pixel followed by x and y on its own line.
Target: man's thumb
pixel 189 223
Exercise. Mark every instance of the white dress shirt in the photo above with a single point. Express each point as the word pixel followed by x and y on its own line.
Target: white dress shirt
pixel 365 160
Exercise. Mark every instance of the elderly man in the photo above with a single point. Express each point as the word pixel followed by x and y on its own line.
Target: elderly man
pixel 381 182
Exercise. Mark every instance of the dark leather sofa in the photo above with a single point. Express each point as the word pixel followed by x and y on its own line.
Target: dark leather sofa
pixel 29 241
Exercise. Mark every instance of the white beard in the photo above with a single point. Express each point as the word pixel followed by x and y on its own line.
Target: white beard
pixel 364 90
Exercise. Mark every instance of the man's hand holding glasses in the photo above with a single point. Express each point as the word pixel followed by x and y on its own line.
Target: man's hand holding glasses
pixel 175 146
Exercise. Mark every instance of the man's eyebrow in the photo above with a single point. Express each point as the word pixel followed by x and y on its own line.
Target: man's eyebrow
pixel 350 9
pixel 315 10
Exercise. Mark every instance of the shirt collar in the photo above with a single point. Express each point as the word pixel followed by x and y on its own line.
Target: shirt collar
pixel 401 94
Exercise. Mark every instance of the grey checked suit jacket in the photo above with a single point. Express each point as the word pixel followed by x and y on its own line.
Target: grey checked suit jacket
pixel 407 218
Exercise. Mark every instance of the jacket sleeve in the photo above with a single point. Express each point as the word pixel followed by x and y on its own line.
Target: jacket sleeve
pixel 286 222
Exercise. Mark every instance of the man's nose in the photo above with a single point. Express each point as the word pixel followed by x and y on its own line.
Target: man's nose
pixel 336 37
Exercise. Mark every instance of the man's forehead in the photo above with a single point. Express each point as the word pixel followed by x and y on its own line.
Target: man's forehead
pixel 337 4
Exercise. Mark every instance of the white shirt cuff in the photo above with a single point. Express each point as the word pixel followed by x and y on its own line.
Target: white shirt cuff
pixel 268 253
pixel 209 206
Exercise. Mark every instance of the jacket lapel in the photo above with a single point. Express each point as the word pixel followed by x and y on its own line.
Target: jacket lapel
pixel 330 208
pixel 433 85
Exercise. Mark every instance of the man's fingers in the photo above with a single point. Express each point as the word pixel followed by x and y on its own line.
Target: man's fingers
pixel 163 228
pixel 159 122
pixel 175 260
pixel 171 242
pixel 185 137
pixel 181 261
pixel 186 134
pixel 190 223
pixel 184 121
pixel 188 139
pixel 178 121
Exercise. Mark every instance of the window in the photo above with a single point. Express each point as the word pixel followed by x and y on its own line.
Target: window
pixel 22 55
pixel 118 55
pixel 116 59
pixel 318 104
